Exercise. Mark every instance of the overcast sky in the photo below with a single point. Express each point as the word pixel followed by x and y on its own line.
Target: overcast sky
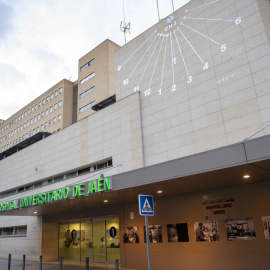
pixel 42 40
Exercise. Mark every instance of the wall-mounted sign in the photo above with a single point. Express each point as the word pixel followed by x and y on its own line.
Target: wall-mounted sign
pixel 219 209
pixel 65 193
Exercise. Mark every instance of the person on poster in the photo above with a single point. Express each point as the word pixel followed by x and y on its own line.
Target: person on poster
pixel 199 233
pixel 131 235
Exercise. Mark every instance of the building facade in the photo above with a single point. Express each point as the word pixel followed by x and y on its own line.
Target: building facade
pixel 190 126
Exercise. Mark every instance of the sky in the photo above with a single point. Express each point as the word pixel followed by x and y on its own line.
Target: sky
pixel 41 41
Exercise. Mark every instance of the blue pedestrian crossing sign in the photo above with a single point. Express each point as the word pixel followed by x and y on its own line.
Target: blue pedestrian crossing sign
pixel 146 205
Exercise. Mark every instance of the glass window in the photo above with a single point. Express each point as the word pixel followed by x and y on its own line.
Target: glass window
pixel 37 129
pixel 48 99
pixel 25 113
pixel 39 104
pixel 60 103
pixel 55 106
pixel 87 78
pixel 43 101
pixel 56 93
pixel 33 109
pixel 38 117
pixel 87 92
pixel 16 120
pixel 50 122
pixel 28 123
pixel 22 116
pixel 36 106
pixel 24 125
pixel 34 131
pixel 59 117
pixel 29 111
pixel 41 127
pixel 87 64
pixel 86 107
pixel 42 114
pixel 35 119
pixel 54 120
pixel 52 96
pixel 19 118
pixel 46 125
pixel 60 90
pixel 47 112
pixel 31 121
pixel 51 109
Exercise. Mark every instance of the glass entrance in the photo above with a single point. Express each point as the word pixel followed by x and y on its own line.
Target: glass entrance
pixel 97 239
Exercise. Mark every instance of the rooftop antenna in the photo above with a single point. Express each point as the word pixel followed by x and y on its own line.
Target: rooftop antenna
pixel 158 11
pixel 172 6
pixel 124 27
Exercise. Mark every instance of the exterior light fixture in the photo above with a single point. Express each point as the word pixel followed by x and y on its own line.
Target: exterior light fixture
pixel 106 201
pixel 35 212
pixel 246 176
pixel 159 191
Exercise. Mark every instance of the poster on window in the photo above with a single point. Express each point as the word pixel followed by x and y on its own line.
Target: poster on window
pixel 206 231
pixel 240 229
pixel 266 226
pixel 155 234
pixel 131 235
pixel 177 232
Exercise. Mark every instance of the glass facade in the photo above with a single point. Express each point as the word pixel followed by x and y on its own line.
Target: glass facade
pixel 90 239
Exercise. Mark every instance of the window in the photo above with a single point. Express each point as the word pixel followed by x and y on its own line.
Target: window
pixel 33 109
pixel 34 132
pixel 87 64
pixel 60 90
pixel 39 104
pixel 54 120
pixel 41 127
pixel 35 119
pixel 28 123
pixel 43 101
pixel 29 111
pixel 26 136
pixel 59 117
pixel 56 93
pixel 87 78
pixel 60 103
pixel 47 112
pixel 13 231
pixel 22 116
pixel 52 96
pixel 31 121
pixel 15 131
pixel 50 123
pixel 38 117
pixel 46 125
pixel 88 106
pixel 37 129
pixel 51 109
pixel 24 125
pixel 25 114
pixel 18 129
pixel 19 118
pixel 21 127
pixel 16 120
pixel 48 99
pixel 42 114
pixel 87 92
pixel 30 134
pixel 55 106
pixel 36 106
pixel 11 133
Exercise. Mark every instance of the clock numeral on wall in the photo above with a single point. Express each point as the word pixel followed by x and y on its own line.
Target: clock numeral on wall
pixel 147 92
pixel 136 88
pixel 119 68
pixel 238 20
pixel 206 66
pixel 125 82
pixel 189 79
pixel 223 48
pixel 173 87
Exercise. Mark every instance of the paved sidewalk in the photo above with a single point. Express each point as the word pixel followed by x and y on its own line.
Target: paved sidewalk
pixel 17 265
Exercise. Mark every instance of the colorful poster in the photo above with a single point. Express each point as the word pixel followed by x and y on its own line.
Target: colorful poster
pixel 206 231
pixel 219 209
pixel 177 232
pixel 266 226
pixel 155 234
pixel 131 235
pixel 240 229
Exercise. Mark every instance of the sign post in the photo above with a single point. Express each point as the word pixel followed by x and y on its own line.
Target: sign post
pixel 146 208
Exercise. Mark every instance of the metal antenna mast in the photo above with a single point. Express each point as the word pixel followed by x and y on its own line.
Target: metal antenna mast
pixel 158 11
pixel 172 6
pixel 124 27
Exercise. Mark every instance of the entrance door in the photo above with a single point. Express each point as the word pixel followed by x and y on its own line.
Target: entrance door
pixel 98 240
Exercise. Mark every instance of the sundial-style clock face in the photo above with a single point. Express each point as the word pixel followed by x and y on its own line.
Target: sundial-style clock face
pixel 179 51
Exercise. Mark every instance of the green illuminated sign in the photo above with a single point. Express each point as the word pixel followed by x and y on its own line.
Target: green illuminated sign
pixel 75 191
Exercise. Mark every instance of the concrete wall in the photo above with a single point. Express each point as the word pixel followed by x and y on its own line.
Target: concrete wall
pixel 223 254
pixel 217 106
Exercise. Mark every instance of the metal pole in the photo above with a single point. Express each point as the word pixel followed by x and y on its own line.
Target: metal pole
pixel 40 262
pixel 172 6
pixel 23 263
pixel 158 11
pixel 87 263
pixel 116 264
pixel 148 243
pixel 9 261
pixel 60 263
